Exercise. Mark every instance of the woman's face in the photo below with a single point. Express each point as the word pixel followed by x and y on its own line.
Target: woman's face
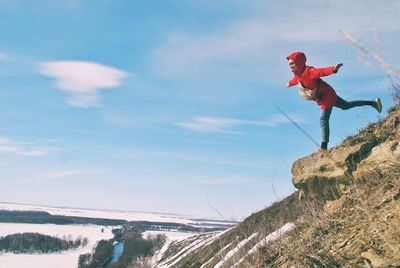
pixel 292 65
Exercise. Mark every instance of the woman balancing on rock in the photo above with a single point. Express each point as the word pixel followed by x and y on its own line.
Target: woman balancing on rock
pixel 312 87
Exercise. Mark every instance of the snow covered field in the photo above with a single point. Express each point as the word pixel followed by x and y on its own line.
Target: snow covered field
pixel 67 259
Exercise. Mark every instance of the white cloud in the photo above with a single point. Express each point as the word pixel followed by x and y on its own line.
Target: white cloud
pixel 225 125
pixel 8 146
pixel 82 80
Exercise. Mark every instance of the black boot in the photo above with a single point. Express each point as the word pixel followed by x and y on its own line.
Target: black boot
pixel 324 145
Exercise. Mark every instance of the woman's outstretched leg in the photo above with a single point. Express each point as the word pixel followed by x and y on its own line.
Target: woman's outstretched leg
pixel 345 105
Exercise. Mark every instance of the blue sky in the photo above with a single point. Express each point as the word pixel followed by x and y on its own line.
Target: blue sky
pixel 170 106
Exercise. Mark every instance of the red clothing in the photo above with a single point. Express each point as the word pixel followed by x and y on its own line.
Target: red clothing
pixel 309 77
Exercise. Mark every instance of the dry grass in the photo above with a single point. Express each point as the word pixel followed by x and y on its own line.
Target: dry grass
pixel 394 88
pixel 363 231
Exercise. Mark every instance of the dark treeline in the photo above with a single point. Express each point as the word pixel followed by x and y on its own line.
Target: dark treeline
pixel 39 217
pixel 135 248
pixel 100 258
pixel 38 243
pixel 148 225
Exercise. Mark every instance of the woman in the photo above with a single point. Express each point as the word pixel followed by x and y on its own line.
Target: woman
pixel 312 87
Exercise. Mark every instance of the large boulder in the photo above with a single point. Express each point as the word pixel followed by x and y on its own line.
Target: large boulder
pixel 375 150
pixel 383 158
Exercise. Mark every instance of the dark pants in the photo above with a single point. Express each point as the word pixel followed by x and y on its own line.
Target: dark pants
pixel 342 104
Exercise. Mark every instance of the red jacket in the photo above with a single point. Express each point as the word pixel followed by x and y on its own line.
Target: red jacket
pixel 309 77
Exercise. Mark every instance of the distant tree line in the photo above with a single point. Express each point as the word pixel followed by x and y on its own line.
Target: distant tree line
pixel 148 225
pixel 41 217
pixel 38 243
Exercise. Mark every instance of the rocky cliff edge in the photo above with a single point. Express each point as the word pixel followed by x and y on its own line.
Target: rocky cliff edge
pixel 325 176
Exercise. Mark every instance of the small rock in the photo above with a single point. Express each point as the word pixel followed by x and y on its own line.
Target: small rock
pixel 334 206
pixel 374 259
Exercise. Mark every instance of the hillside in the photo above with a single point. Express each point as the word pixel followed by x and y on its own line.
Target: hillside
pixel 213 249
pixel 345 214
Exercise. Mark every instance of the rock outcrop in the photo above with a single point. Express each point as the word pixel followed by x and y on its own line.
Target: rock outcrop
pixel 325 176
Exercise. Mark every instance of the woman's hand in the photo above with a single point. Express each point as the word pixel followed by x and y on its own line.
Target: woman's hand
pixel 337 67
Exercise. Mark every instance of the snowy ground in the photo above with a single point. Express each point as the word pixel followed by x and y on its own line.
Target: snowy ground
pixel 271 237
pixel 171 235
pixel 192 242
pixel 67 259
pixel 189 244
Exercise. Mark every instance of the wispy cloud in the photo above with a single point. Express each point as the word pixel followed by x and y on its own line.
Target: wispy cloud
pixel 211 124
pixel 245 48
pixel 3 56
pixel 60 174
pixel 226 125
pixel 82 80
pixel 35 152
pixel 183 56
pixel 253 162
pixel 230 180
pixel 8 146
pixel 52 175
